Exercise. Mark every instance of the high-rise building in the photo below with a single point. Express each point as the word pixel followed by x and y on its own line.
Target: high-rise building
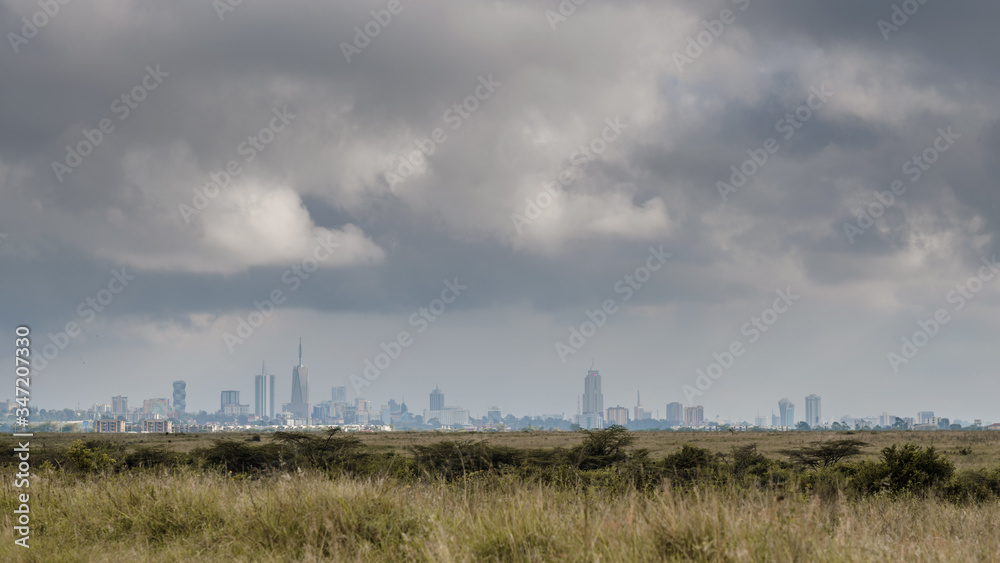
pixel 694 416
pixel 446 416
pixel 263 393
pixel 155 408
pixel 593 401
pixel 618 415
pixel 437 399
pixel 340 394
pixel 119 405
pixel 493 415
pixel 270 402
pixel 675 413
pixel 775 421
pixel 229 397
pixel 640 412
pixel 299 407
pixel 180 396
pixel 787 410
pixel 924 417
pixel 885 420
pixel 813 409
pixel 362 404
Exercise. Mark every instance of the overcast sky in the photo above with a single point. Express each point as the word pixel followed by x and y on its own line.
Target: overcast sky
pixel 620 122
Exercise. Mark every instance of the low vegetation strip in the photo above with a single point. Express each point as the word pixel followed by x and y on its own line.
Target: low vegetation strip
pixel 328 496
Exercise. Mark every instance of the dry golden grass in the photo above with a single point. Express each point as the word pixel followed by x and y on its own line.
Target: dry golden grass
pixel 187 516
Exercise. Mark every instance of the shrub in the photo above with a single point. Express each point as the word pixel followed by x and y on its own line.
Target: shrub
pixel 902 469
pixel 450 459
pixel 690 464
pixel 240 457
pixel 974 485
pixel 151 457
pixel 88 459
pixel 746 460
pixel 912 468
pixel 333 451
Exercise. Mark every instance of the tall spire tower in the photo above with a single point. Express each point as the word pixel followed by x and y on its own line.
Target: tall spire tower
pixel 299 406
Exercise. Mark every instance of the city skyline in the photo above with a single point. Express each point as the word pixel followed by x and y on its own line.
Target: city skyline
pixel 674 412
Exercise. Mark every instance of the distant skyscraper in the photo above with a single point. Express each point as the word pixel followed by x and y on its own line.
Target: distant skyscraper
pixel 300 389
pixel 494 416
pixel 263 393
pixel 924 417
pixel 156 408
pixel 180 396
pixel 618 415
pixel 813 411
pixel 694 416
pixel 675 412
pixel 340 394
pixel 119 405
pixel 787 411
pixel 593 401
pixel 228 398
pixel 775 421
pixel 640 412
pixel 270 402
pixel 437 400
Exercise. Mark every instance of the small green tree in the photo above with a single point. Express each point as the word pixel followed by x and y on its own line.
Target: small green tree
pixel 601 448
pixel 912 468
pixel 86 459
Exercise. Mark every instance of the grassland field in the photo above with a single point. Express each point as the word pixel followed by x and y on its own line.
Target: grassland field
pixel 197 512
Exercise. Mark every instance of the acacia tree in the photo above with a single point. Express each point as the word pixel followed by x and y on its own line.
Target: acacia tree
pixel 823 454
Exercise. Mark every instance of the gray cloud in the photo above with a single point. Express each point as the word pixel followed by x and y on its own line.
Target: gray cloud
pixel 325 175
